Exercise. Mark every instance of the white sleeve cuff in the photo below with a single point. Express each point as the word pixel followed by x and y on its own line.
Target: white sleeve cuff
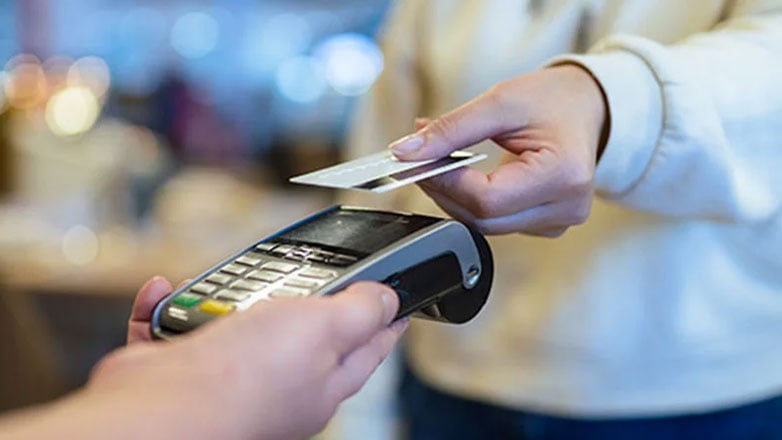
pixel 636 110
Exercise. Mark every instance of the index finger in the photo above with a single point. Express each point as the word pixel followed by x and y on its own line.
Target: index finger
pixel 477 120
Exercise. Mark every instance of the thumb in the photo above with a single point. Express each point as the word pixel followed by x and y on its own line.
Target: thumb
pixel 148 296
pixel 477 120
pixel 359 312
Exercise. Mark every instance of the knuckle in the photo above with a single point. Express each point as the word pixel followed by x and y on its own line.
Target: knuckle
pixel 444 127
pixel 580 214
pixel 487 206
pixel 552 233
pixel 323 417
pixel 577 177
pixel 580 217
pixel 498 95
pixel 352 389
pixel 485 227
pixel 482 229
pixel 504 99
pixel 495 94
pixel 319 419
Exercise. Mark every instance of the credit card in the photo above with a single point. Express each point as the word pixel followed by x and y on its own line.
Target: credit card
pixel 381 172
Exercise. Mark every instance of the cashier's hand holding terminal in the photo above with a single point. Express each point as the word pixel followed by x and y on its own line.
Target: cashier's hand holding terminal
pixel 276 371
pixel 551 122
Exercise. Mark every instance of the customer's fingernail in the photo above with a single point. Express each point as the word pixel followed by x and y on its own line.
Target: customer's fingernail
pixel 389 303
pixel 400 325
pixel 407 144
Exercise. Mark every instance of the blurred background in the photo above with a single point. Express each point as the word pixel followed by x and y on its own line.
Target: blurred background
pixel 141 137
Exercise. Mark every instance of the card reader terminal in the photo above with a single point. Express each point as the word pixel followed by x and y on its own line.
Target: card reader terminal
pixel 441 269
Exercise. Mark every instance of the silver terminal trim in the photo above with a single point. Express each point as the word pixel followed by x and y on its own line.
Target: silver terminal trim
pixel 440 238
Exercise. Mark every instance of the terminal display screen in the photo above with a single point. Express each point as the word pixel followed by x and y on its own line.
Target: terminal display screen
pixel 364 232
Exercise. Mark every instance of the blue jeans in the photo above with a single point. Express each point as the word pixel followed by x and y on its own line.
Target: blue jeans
pixel 430 414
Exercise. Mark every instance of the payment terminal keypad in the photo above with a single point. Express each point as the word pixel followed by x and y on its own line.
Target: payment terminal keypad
pixel 268 271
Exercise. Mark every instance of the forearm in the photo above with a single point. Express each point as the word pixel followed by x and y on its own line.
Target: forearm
pixel 87 415
pixel 138 402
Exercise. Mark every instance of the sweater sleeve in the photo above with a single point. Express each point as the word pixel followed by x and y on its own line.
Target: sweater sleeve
pixel 696 127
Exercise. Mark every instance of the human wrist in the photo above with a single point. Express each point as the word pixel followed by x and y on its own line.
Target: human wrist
pixel 593 103
pixel 635 100
pixel 167 389
pixel 89 415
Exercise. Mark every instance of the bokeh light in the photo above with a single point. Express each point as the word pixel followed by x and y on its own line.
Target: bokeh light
pixel 326 21
pixel 21 59
pixel 143 29
pixel 72 111
pixel 195 35
pixel 352 62
pixel 80 245
pixel 91 72
pixel 267 42
pixel 3 101
pixel 147 157
pixel 301 79
pixel 56 70
pixel 26 84
pixel 285 35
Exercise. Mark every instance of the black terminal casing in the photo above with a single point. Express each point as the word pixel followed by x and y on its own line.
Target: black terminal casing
pixel 433 290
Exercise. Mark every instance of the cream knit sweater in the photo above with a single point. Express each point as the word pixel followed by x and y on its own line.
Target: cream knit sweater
pixel 669 299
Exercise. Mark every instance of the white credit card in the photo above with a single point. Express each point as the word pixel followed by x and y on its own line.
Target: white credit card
pixel 383 172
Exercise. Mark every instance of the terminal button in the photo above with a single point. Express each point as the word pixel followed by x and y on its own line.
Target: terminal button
pixel 264 275
pixel 320 274
pixel 219 278
pixel 177 313
pixel 204 288
pixel 233 269
pixel 320 256
pixel 232 295
pixel 249 260
pixel 296 282
pixel 289 293
pixel 214 307
pixel 187 299
pixel 252 286
pixel 279 266
pixel 265 247
pixel 342 260
pixel 283 249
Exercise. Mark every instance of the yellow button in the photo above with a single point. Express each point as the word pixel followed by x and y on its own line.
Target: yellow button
pixel 216 307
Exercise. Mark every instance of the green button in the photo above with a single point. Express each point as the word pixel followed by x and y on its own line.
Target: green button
pixel 187 299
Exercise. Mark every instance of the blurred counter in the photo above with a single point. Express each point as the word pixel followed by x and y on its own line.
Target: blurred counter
pixel 66 289
pixel 199 219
